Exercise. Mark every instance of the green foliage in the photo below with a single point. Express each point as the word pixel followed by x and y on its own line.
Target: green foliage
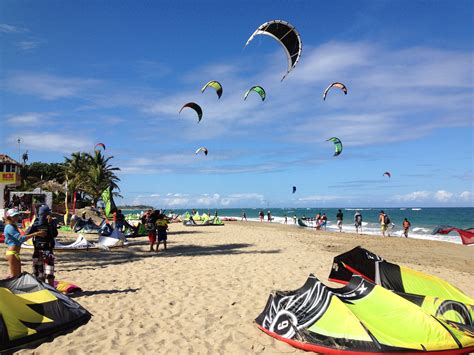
pixel 86 174
pixel 90 175
pixel 33 174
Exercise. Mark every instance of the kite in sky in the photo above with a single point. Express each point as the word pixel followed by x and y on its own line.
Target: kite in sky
pixel 287 35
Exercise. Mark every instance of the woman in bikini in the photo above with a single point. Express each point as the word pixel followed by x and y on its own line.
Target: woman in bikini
pixel 14 240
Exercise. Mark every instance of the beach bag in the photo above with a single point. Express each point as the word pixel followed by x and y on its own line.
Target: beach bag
pixel 386 219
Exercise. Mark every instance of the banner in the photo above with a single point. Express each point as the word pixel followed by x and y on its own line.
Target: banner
pixel 7 178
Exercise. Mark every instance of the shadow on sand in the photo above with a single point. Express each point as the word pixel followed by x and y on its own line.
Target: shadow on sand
pixel 91 260
pixel 102 292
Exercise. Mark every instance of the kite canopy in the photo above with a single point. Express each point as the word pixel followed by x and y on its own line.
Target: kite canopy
pixel 202 149
pixel 32 312
pixel 360 318
pixel 373 268
pixel 99 145
pixel 387 173
pixel 287 35
pixel 195 107
pixel 216 85
pixel 467 235
pixel 337 145
pixel 258 89
pixel 335 85
pixel 294 189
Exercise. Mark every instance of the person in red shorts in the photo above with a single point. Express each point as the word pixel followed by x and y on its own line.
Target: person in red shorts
pixel 150 219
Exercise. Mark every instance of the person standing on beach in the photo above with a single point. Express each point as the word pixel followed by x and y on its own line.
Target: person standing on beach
pixel 358 222
pixel 150 218
pixel 339 218
pixel 323 221
pixel 269 216
pixel 294 219
pixel 286 219
pixel 406 227
pixel 384 221
pixel 14 240
pixel 43 255
pixel 244 216
pixel 260 215
pixel 162 231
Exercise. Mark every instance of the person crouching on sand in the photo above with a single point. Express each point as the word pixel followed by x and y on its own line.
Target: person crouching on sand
pixel 14 240
pixel 406 227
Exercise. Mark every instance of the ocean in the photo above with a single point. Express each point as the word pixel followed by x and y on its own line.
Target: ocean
pixel 423 220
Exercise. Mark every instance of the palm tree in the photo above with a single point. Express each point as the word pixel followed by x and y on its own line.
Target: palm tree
pixel 100 175
pixel 75 170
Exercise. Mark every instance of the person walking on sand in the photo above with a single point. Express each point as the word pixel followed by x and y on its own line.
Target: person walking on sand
pixel 406 227
pixel 339 218
pixel 14 240
pixel 244 216
pixel 358 222
pixel 286 219
pixel 261 215
pixel 269 216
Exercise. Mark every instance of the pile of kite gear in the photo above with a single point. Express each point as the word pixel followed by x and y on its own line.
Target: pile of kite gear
pixel 467 235
pixel 197 220
pixel 32 312
pixel 383 308
pixel 115 240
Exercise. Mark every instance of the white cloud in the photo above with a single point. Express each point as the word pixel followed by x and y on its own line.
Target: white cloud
pixel 414 196
pixel 205 200
pixel 49 87
pixel 320 198
pixel 5 28
pixel 443 196
pixel 26 45
pixel 29 118
pixel 440 196
pixel 43 141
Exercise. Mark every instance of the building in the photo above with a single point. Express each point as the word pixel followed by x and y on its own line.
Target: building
pixel 9 175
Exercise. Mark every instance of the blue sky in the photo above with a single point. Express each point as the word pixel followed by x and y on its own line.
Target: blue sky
pixel 76 73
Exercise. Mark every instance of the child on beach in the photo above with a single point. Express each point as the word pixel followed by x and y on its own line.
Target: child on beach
pixel 162 231
pixel 406 227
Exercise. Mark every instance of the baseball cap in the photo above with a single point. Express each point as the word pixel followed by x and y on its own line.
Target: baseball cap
pixel 12 212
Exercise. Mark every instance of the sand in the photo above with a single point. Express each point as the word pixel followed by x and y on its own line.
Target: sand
pixel 203 294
